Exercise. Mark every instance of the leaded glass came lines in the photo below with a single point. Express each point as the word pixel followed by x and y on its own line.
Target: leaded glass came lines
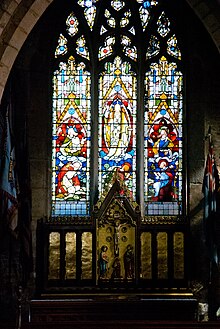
pixel 107 49
pixel 123 50
pixel 89 11
pixel 163 139
pixel 71 139
pixel 145 11
pixel 153 48
pixel 62 46
pixel 117 123
pixel 72 24
pixel 172 48
pixel 117 4
pixel 129 50
pixel 81 48
pixel 163 25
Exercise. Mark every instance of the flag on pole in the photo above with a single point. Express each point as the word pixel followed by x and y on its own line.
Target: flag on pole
pixel 8 184
pixel 210 189
pixel 2 139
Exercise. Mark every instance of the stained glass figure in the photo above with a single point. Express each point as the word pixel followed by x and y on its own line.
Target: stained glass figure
pixel 163 139
pixel 72 24
pixel 117 123
pixel 110 19
pixel 81 48
pixel 153 48
pixel 125 19
pixel 145 10
pixel 107 49
pixel 117 109
pixel 172 47
pixel 128 48
pixel 62 46
pixel 71 139
pixel 89 11
pixel 163 24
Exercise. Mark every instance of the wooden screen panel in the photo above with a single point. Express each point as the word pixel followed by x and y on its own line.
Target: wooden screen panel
pixel 178 253
pixel 162 255
pixel 54 256
pixel 70 257
pixel 86 258
pixel 146 256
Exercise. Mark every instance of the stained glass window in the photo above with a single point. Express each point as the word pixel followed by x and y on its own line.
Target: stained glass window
pixel 81 48
pixel 172 47
pixel 72 24
pixel 62 46
pixel 163 139
pixel 110 20
pixel 107 48
pixel 163 124
pixel 153 48
pixel 117 123
pixel 117 4
pixel 71 138
pixel 128 48
pixel 163 25
pixel 134 56
pixel 89 11
pixel 145 11
pixel 125 19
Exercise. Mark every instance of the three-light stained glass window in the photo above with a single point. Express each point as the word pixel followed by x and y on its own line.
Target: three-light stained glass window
pixel 117 106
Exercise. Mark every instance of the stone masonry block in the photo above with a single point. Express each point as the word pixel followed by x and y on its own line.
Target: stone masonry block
pixel 216 37
pixel 202 9
pixel 4 19
pixel 39 7
pixel 9 56
pixel 18 38
pixel 211 22
pixel 28 21
pixel 193 3
pixel 12 7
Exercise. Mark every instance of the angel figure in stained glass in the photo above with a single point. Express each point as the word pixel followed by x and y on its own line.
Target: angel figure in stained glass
pixel 163 178
pixel 163 145
pixel 68 185
pixel 74 142
pixel 117 128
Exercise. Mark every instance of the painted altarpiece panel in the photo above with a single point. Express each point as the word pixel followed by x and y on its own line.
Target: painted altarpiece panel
pixel 117 217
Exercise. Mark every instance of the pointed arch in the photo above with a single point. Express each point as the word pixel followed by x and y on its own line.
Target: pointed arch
pixel 118 58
